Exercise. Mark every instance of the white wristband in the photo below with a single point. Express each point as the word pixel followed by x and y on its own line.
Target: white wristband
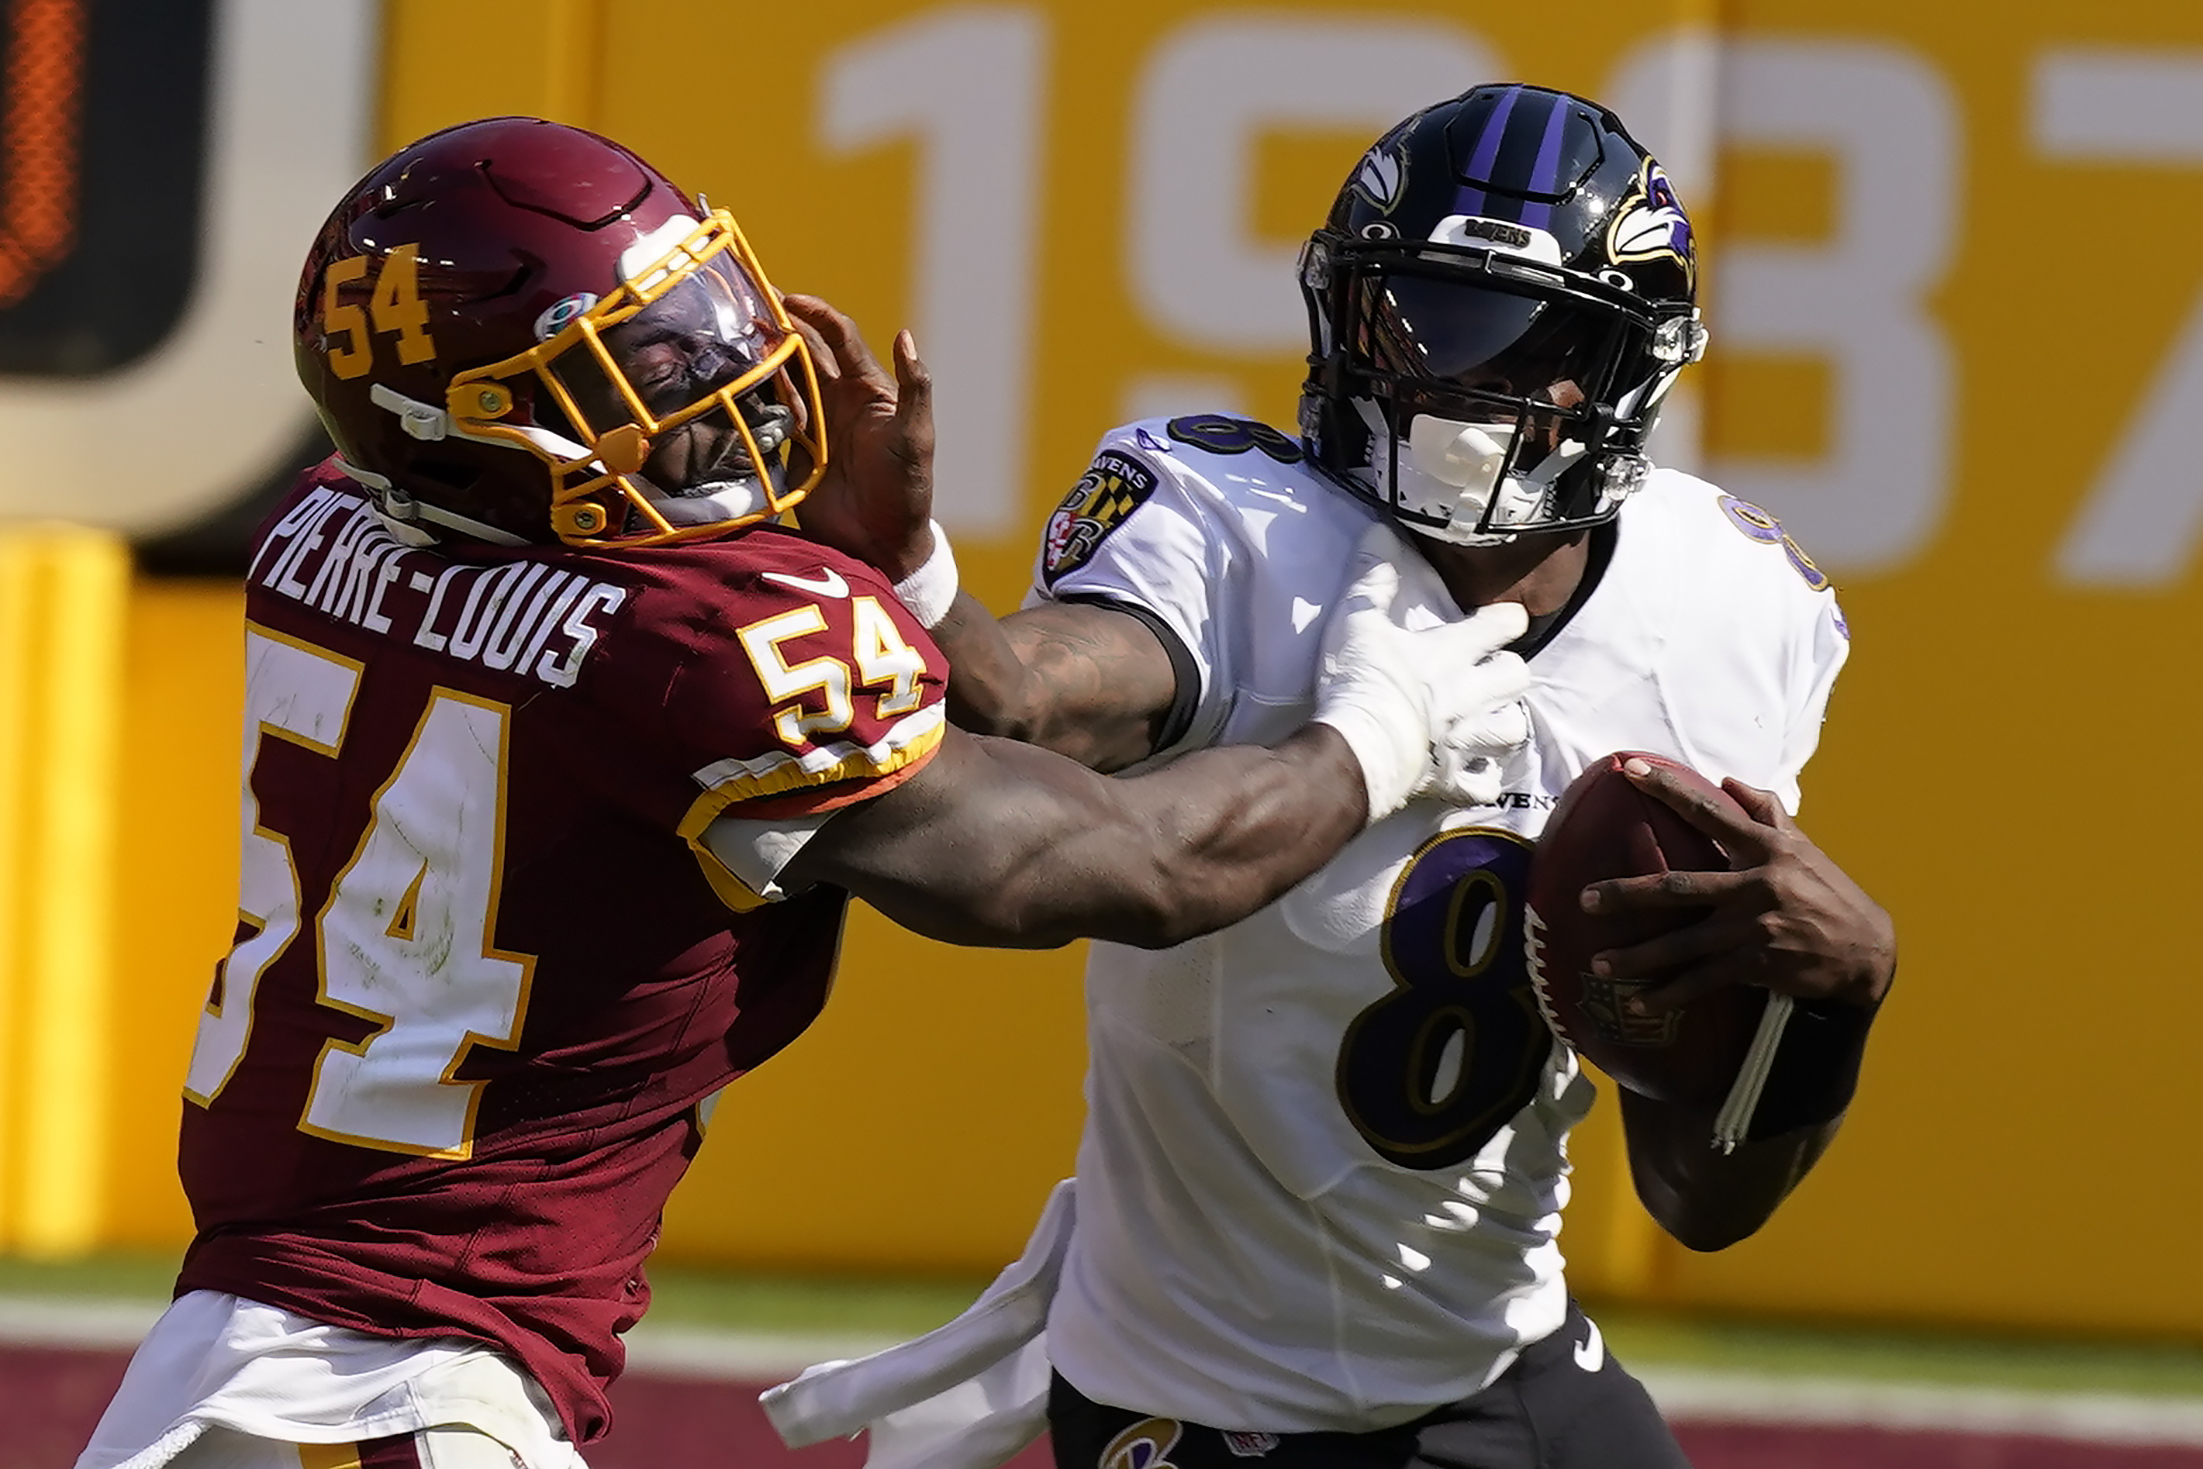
pixel 1393 755
pixel 930 591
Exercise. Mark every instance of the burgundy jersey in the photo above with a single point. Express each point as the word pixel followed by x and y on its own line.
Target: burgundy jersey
pixel 486 974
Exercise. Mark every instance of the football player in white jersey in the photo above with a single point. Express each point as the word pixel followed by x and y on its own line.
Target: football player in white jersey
pixel 1318 1204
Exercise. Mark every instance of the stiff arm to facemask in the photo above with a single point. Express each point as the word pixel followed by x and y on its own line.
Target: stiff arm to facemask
pixel 1429 707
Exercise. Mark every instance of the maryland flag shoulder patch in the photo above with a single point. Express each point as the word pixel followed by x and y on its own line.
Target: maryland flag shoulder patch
pixel 1113 486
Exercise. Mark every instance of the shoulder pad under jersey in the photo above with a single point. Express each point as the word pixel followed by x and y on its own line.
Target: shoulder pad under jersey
pixel 799 678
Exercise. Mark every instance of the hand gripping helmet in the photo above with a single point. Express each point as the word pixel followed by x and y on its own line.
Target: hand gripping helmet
pixel 521 331
pixel 1503 293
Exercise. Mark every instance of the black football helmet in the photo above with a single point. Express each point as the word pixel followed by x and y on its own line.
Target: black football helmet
pixel 1501 297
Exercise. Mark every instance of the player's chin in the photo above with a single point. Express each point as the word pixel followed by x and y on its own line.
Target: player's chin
pixel 682 462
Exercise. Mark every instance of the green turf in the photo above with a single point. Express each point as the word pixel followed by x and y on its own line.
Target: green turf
pixel 686 1296
pixel 146 1276
pixel 734 1301
pixel 1947 1358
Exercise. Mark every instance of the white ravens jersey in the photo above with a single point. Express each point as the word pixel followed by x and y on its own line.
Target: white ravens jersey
pixel 1321 1181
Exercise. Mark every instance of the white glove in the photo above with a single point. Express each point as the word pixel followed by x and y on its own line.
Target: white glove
pixel 1479 720
pixel 1428 712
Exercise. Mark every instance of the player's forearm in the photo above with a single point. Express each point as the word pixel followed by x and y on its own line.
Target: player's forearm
pixel 1009 846
pixel 1082 680
pixel 1229 830
pixel 1705 1198
pixel 991 691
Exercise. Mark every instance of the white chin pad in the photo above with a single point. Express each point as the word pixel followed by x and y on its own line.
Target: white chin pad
pixel 1459 468
pixel 1467 456
pixel 709 504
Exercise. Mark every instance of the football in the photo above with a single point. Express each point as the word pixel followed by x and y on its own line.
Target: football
pixel 1604 827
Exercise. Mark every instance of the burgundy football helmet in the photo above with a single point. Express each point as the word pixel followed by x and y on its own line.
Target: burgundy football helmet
pixel 519 331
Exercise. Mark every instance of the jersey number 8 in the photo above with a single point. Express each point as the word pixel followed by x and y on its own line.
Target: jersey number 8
pixel 1430 1072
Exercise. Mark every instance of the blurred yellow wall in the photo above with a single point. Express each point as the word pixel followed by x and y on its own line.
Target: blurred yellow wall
pixel 1957 344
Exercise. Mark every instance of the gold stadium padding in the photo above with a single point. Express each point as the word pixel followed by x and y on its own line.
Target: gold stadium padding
pixel 64 592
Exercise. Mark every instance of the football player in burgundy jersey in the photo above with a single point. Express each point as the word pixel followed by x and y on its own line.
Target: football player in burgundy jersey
pixel 560 760
pixel 1317 1214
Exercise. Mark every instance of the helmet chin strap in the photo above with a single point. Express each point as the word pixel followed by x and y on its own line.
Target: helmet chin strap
pixel 400 512
pixel 708 503
pixel 705 504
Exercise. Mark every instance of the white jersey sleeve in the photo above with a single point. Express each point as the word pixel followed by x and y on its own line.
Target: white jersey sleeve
pixel 1140 530
pixel 1823 647
pixel 1216 531
pixel 1712 639
pixel 1787 625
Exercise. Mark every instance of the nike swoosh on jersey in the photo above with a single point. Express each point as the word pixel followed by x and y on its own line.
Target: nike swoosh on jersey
pixel 829 585
pixel 1591 1351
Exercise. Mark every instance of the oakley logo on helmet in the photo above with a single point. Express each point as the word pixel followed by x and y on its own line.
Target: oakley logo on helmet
pixel 560 314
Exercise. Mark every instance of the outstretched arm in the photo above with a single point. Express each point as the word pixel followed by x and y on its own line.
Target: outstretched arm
pixel 996 842
pixel 1003 844
pixel 1785 918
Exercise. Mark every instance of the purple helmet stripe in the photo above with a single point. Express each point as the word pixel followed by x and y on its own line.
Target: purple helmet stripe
pixel 1545 173
pixel 1495 128
pixel 1470 199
